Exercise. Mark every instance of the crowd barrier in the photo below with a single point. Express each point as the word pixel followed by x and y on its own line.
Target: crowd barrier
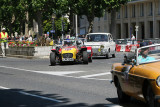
pixel 126 48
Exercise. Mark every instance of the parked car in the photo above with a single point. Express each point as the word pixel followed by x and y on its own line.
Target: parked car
pixel 102 44
pixel 138 76
pixel 70 51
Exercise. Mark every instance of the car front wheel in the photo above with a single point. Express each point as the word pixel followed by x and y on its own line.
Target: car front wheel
pixel 52 58
pixel 150 97
pixel 85 57
pixel 122 97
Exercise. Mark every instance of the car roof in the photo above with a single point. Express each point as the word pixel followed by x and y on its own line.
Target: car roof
pixel 98 33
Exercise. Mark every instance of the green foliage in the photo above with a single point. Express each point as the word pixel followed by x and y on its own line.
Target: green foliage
pixel 114 4
pixel 13 12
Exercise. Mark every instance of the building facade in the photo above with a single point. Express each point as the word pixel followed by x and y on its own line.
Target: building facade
pixel 142 13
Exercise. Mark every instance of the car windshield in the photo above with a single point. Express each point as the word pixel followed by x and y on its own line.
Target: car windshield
pixel 68 42
pixel 148 54
pixel 97 38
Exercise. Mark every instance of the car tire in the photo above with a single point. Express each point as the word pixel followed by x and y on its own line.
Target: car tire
pixel 107 56
pixel 90 59
pixel 85 57
pixel 150 97
pixel 113 55
pixel 122 97
pixel 52 58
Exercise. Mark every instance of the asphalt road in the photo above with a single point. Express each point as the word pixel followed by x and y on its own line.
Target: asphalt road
pixel 34 83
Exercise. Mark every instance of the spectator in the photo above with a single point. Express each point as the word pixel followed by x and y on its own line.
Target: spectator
pixel 133 37
pixel 4 44
pixel 30 38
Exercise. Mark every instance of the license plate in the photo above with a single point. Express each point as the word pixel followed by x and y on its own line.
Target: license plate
pixel 67 59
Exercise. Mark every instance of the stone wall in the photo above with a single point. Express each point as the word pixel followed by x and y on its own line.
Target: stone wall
pixel 38 51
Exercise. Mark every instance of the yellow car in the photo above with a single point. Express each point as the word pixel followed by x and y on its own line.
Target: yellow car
pixel 70 51
pixel 139 76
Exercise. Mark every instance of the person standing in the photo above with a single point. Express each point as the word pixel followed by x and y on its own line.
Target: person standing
pixel 133 37
pixel 3 41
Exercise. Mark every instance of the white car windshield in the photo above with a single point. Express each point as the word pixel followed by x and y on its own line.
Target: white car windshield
pixel 148 54
pixel 97 38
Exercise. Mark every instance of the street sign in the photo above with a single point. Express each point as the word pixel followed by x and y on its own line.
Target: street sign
pixel 52 31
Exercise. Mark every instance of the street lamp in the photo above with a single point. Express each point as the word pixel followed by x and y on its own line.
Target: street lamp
pixel 136 31
pixel 76 26
pixel 63 25
pixel 62 28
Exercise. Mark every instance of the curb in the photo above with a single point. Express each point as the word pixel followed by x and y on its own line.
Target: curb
pixel 28 57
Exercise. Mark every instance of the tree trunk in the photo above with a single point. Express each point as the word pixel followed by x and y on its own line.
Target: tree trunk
pixel 90 21
pixel 113 23
pixel 26 24
pixel 10 29
pixel 71 18
pixel 40 24
pixel 21 28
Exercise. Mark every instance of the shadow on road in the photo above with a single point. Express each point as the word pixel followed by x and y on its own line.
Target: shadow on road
pixel 132 103
pixel 14 98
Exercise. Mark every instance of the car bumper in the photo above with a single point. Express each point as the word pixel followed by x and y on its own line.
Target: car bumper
pixel 99 52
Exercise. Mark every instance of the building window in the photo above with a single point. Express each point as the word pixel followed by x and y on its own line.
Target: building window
pixel 133 10
pixel 142 10
pixel 150 9
pixel 125 13
pixel 105 15
pixel 118 14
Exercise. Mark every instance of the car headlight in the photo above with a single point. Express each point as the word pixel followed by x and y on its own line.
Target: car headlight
pixel 158 81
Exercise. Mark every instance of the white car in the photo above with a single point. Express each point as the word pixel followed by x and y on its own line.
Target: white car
pixel 102 44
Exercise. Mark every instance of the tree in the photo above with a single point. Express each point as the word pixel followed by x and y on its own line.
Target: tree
pixel 91 9
pixel 7 16
pixel 70 8
pixel 42 10
pixel 112 6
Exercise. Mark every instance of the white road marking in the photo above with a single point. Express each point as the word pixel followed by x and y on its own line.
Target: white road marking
pixel 58 73
pixel 42 97
pixel 4 88
pixel 94 75
pixel 46 98
pixel 112 105
pixel 46 72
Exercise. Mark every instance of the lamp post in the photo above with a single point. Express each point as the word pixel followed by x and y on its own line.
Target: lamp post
pixel 76 26
pixel 62 28
pixel 136 31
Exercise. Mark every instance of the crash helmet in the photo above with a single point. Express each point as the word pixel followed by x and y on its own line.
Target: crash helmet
pixel 78 42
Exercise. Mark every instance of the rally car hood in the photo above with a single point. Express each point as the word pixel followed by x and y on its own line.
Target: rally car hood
pixel 151 70
pixel 153 66
pixel 69 49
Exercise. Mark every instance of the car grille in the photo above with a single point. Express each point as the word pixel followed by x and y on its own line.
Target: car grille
pixel 67 55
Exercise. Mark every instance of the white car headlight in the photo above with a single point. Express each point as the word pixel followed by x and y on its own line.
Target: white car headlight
pixel 158 81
